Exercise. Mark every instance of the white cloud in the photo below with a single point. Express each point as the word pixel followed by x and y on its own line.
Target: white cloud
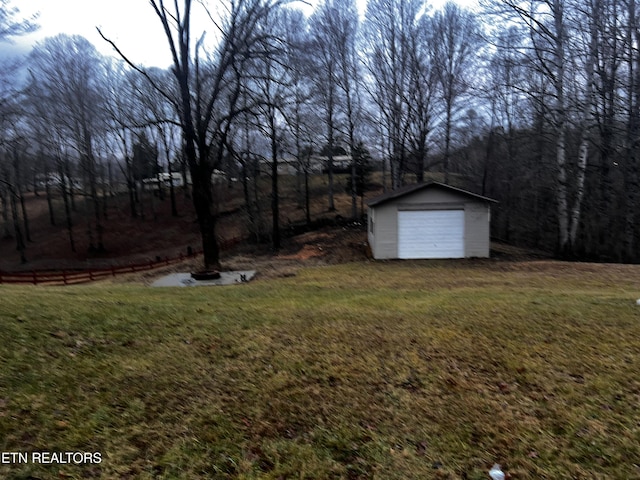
pixel 131 24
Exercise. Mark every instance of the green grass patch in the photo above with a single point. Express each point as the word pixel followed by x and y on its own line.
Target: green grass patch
pixel 382 370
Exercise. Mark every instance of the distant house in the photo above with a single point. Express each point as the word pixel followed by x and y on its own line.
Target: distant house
pixel 55 180
pixel 164 180
pixel 290 165
pixel 287 165
pixel 429 220
pixel 339 163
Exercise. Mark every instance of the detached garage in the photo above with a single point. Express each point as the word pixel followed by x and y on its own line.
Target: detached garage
pixel 429 220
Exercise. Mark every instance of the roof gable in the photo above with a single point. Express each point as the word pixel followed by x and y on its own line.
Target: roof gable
pixel 409 189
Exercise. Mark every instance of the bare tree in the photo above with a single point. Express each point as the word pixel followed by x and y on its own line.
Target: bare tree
pixel 549 56
pixel 334 28
pixel 244 143
pixel 123 116
pixel 421 108
pixel 268 91
pixel 207 90
pixel 167 133
pixel 66 75
pixel 10 26
pixel 454 44
pixel 632 130
pixel 390 32
pixel 325 63
pixel 10 112
pixel 301 115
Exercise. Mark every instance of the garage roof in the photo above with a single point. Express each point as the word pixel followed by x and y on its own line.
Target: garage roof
pixel 406 190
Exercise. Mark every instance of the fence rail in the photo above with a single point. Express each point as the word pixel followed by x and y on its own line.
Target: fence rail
pixel 75 276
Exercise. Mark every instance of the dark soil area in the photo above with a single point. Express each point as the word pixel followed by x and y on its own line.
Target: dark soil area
pixel 126 240
pixel 330 238
pixel 159 235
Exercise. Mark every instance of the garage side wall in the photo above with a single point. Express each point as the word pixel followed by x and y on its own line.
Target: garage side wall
pixel 383 237
pixel 476 219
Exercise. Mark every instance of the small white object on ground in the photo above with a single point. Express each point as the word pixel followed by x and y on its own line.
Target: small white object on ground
pixel 496 473
pixel 638 301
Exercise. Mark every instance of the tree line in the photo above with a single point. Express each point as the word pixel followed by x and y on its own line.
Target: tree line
pixel 535 104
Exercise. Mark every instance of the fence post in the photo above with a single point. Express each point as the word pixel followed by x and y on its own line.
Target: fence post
pixel 35 277
pixel 90 275
pixel 64 276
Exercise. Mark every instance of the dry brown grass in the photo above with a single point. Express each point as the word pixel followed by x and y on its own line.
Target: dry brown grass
pixel 388 370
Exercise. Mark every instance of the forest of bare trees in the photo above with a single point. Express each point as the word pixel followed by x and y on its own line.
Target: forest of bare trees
pixel 533 103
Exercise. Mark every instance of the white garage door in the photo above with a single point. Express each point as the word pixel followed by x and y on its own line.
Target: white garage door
pixel 431 234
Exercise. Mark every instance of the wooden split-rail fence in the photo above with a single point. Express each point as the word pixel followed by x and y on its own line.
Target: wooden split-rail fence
pixel 77 276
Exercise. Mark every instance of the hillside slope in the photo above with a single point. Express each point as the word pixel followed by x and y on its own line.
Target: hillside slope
pixel 156 234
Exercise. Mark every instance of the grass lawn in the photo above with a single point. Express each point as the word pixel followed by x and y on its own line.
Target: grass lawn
pixel 389 370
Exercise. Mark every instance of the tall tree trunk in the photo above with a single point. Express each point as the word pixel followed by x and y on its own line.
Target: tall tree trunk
pixel 275 196
pixel 581 169
pixel 275 204
pixel 585 137
pixel 34 183
pixel 203 202
pixel 383 148
pixel 562 187
pixel 152 201
pixel 307 199
pixel 105 202
pixel 111 179
pixel 330 139
pixel 25 217
pixel 352 146
pixel 19 192
pixel 67 204
pixel 139 191
pixel 47 189
pixel 87 218
pixel 447 138
pixel 11 194
pixel 260 226
pixel 185 179
pixel 4 212
pixel 131 189
pixel 172 190
pixel 562 191
pixel 20 243
pixel 96 204
pixel 248 202
pixel 70 186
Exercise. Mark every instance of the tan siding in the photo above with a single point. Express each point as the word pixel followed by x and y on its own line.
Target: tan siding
pixel 384 238
pixel 386 231
pixel 476 229
pixel 433 196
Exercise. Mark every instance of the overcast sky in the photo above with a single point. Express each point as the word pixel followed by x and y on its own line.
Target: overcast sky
pixel 132 24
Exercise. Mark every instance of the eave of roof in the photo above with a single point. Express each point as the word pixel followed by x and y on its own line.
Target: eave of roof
pixel 408 189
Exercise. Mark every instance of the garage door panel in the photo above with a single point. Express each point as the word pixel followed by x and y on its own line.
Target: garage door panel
pixel 431 234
